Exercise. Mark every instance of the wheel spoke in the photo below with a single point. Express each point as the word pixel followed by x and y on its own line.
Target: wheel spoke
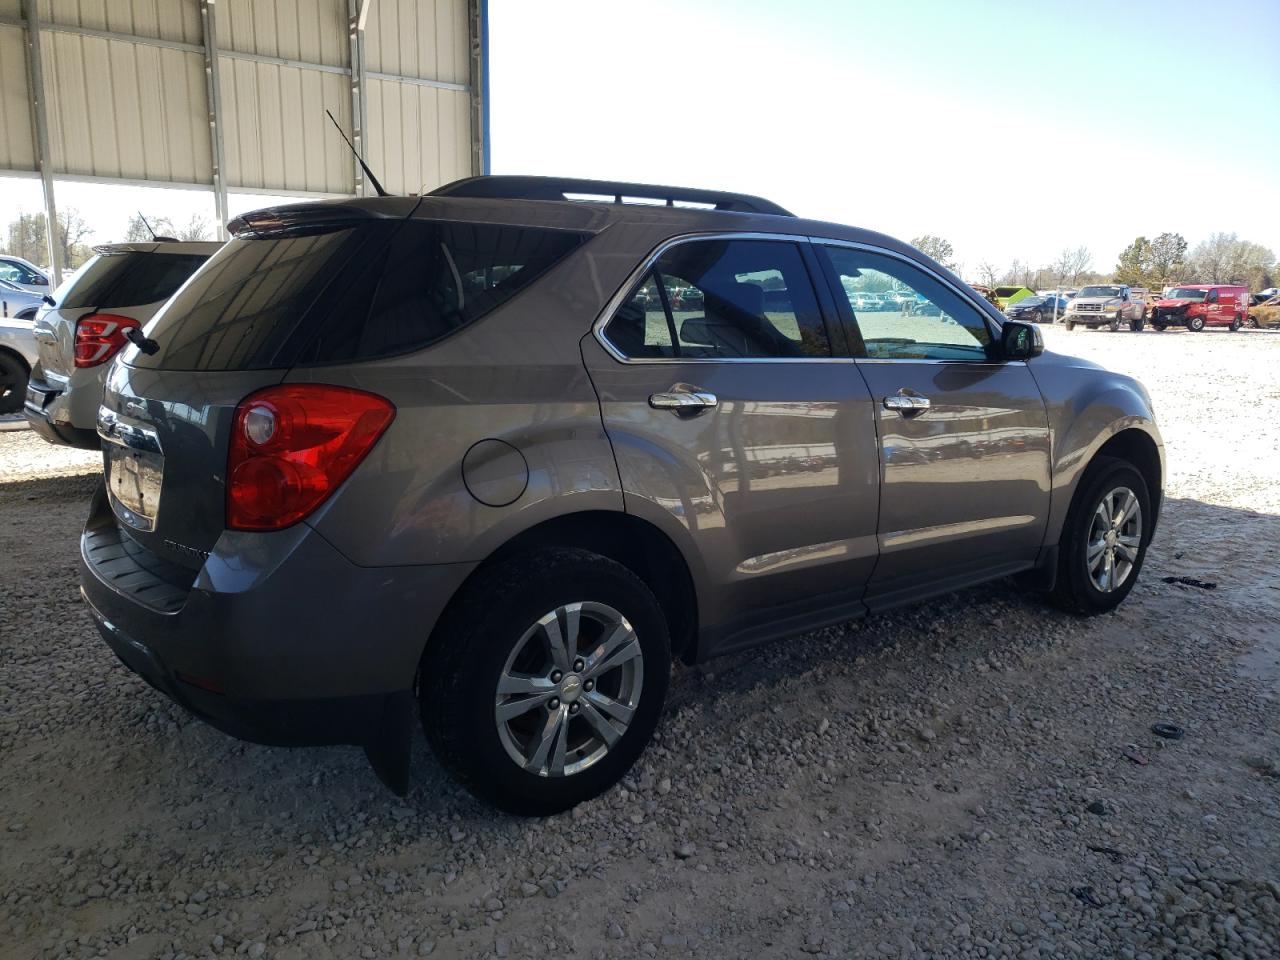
pixel 557 646
pixel 600 724
pixel 1127 510
pixel 1128 546
pixel 613 708
pixel 548 750
pixel 1094 555
pixel 617 649
pixel 1109 571
pixel 525 693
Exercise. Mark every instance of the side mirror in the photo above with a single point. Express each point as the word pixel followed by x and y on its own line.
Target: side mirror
pixel 1020 341
pixel 41 281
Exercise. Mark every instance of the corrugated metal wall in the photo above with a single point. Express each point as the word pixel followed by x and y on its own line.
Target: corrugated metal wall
pixel 126 93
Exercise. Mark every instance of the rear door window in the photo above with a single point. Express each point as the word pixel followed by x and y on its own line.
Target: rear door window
pixel 375 289
pixel 723 300
pixel 129 279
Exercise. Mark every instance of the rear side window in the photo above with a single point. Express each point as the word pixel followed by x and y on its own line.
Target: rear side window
pixel 129 279
pixel 722 300
pixel 358 293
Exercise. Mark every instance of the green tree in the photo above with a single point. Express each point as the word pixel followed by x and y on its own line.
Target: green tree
pixel 27 238
pixel 935 247
pixel 1168 259
pixel 1134 266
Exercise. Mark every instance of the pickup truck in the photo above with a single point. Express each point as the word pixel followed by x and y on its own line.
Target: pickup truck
pixel 1109 305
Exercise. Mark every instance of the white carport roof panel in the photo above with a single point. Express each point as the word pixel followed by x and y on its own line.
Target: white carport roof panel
pixel 275 133
pixel 17 145
pixel 176 20
pixel 419 137
pixel 426 39
pixel 125 110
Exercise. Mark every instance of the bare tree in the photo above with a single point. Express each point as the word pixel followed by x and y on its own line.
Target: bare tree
pixel 1071 263
pixel 197 228
pixel 988 273
pixel 1225 258
pixel 935 247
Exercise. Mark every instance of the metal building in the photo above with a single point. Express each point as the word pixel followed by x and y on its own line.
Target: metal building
pixel 230 95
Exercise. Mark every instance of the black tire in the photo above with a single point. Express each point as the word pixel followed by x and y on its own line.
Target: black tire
pixel 1037 316
pixel 1160 327
pixel 1138 325
pixel 470 650
pixel 1068 324
pixel 1074 589
pixel 1195 324
pixel 1236 323
pixel 1115 324
pixel 1251 322
pixel 13 382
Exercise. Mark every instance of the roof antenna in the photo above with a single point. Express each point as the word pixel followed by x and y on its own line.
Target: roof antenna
pixel 154 237
pixel 359 159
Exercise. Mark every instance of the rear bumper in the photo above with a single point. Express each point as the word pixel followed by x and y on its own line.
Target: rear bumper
pixel 278 639
pixel 48 412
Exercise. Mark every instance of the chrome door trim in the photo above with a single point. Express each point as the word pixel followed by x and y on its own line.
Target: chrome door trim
pixel 646 265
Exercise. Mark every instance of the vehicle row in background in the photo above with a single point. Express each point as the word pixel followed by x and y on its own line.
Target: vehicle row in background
pixel 1199 305
pixel 1107 305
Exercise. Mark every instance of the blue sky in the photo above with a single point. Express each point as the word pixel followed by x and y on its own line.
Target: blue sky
pixel 1012 129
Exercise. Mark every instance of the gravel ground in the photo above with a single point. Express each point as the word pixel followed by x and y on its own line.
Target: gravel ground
pixel 975 777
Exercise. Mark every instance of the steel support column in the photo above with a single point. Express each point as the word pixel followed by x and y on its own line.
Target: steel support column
pixel 357 16
pixel 40 122
pixel 477 27
pixel 213 95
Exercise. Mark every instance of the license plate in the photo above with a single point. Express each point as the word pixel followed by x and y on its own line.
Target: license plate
pixel 134 478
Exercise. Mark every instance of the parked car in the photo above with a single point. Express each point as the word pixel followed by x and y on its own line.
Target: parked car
pixel 1008 295
pixel 17 357
pixel 1265 314
pixel 23 274
pixel 1037 309
pixel 1106 305
pixel 1199 305
pixel 337 492
pixel 118 290
pixel 18 302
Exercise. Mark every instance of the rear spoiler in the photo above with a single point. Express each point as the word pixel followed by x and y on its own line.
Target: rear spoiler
pixel 303 219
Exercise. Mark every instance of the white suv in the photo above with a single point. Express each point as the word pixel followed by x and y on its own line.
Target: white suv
pixel 120 289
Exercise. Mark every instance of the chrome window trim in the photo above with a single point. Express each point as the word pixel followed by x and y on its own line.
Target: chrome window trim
pixel 616 301
pixel 646 265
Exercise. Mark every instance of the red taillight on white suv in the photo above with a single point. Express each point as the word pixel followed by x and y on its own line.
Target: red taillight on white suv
pixel 99 337
pixel 293 445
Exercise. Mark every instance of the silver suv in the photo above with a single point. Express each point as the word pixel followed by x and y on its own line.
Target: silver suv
pixel 468 455
pixel 119 289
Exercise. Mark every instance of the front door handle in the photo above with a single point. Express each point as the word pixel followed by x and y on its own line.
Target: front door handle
pixel 905 404
pixel 683 401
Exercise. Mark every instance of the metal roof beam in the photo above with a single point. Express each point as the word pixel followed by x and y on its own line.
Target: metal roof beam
pixel 40 125
pixel 217 156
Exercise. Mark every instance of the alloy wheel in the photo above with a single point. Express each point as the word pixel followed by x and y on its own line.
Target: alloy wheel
pixel 569 689
pixel 1115 539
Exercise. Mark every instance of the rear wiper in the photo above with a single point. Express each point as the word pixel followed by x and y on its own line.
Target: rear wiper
pixel 141 341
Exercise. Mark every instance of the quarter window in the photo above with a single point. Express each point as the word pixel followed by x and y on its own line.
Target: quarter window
pixel 722 300
pixel 903 313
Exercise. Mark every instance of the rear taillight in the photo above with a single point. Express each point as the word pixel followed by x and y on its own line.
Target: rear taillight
pixel 99 337
pixel 292 446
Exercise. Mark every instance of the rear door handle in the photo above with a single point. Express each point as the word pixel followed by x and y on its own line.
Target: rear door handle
pixel 683 401
pixel 906 404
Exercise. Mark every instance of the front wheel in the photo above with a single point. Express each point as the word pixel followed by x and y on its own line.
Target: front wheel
pixel 1115 325
pixel 1037 316
pixel 1104 539
pixel 1195 324
pixel 1068 324
pixel 1251 322
pixel 546 680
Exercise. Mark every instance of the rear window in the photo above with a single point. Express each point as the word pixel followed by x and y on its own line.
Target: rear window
pixel 129 279
pixel 372 290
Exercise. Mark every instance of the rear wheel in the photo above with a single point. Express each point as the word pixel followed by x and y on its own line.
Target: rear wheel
pixel 1236 323
pixel 1104 539
pixel 1138 323
pixel 13 382
pixel 546 680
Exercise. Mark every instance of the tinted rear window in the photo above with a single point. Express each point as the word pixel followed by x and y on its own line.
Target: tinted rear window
pixel 371 290
pixel 129 279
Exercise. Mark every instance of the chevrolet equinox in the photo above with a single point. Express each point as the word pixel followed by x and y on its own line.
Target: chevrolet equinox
pixel 496 455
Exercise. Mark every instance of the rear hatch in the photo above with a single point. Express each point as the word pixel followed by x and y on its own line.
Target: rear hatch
pixel 126 279
pixel 245 318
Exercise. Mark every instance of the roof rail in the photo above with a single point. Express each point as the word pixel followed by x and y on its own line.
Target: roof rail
pixel 567 188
